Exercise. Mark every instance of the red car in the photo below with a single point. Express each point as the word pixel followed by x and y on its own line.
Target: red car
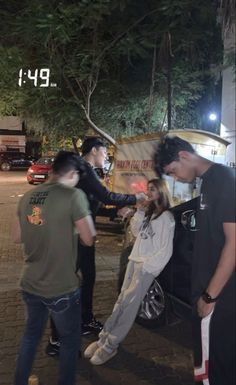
pixel 39 171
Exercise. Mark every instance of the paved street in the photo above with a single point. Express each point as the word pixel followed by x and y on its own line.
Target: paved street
pixel 146 357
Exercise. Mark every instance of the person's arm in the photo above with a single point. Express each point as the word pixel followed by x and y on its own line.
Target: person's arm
pixel 223 272
pixel 93 185
pixel 86 230
pixel 16 231
pixel 136 222
pixel 81 217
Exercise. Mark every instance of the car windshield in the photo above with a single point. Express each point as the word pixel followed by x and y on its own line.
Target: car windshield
pixel 45 161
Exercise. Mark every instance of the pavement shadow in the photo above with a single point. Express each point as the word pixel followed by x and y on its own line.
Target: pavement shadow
pixel 129 368
pixel 176 331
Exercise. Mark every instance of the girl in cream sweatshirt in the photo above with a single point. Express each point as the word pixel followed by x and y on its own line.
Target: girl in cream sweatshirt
pixel 153 226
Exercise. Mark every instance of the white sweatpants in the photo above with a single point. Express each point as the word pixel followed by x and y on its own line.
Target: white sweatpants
pixel 135 286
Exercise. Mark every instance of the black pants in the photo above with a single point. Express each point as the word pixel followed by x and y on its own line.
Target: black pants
pixel 221 361
pixel 86 264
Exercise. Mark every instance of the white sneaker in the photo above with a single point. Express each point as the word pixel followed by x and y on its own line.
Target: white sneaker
pixel 33 380
pixel 91 349
pixel 101 356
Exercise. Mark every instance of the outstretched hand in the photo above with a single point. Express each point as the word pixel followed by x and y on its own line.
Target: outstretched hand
pixel 125 212
pixel 142 201
pixel 141 197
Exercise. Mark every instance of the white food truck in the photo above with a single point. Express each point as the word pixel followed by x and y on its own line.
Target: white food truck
pixel 132 164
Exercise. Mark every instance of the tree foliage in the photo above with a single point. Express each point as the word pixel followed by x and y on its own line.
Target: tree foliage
pixel 100 53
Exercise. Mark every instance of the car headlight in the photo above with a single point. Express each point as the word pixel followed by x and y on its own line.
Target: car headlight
pixel 30 171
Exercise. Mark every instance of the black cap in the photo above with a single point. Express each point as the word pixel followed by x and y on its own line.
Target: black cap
pixel 89 143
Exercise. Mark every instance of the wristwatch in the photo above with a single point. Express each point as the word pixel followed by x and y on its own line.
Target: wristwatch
pixel 208 298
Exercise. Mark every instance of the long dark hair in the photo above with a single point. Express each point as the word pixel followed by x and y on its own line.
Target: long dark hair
pixel 164 200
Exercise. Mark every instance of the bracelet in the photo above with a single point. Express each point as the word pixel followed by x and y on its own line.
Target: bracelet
pixel 208 298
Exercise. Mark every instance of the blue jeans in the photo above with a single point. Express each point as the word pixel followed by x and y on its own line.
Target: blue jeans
pixel 66 314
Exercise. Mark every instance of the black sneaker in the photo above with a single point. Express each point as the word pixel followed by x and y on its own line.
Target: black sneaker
pixel 53 348
pixel 92 327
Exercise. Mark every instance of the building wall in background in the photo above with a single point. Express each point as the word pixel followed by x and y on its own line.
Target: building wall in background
pixel 12 137
pixel 228 130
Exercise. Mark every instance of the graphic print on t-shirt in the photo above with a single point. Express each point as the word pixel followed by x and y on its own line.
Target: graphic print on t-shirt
pixel 203 202
pixel 38 197
pixel 35 217
pixel 146 230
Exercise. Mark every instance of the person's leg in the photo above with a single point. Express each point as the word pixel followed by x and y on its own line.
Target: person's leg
pixel 214 345
pixel 37 315
pixel 222 345
pixel 86 264
pixel 67 318
pixel 201 334
pixel 54 333
pixel 111 321
pixel 53 346
pixel 126 308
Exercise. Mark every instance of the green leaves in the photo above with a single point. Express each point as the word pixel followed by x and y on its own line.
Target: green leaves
pixel 100 54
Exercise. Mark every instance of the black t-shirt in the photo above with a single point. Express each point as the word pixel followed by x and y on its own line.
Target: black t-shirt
pixel 216 206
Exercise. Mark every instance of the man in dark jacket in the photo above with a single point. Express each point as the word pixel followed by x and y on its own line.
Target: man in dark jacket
pixel 94 153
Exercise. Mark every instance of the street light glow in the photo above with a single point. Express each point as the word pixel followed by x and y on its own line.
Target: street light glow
pixel 213 116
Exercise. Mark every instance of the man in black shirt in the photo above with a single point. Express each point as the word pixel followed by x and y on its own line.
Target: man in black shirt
pixel 94 153
pixel 213 278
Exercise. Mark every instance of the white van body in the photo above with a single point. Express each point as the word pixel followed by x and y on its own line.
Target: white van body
pixel 133 161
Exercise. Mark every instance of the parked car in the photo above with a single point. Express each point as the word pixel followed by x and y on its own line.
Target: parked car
pixel 10 160
pixel 171 291
pixel 39 171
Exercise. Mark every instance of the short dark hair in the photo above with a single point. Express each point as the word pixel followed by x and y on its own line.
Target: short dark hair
pixel 167 151
pixel 89 143
pixel 66 161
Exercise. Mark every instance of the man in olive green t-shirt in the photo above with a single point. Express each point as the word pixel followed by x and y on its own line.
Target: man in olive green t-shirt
pixel 49 219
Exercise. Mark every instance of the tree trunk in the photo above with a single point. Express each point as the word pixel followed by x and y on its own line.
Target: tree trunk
pixel 74 142
pixel 151 97
pixel 98 130
pixel 169 94
pixel 169 88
